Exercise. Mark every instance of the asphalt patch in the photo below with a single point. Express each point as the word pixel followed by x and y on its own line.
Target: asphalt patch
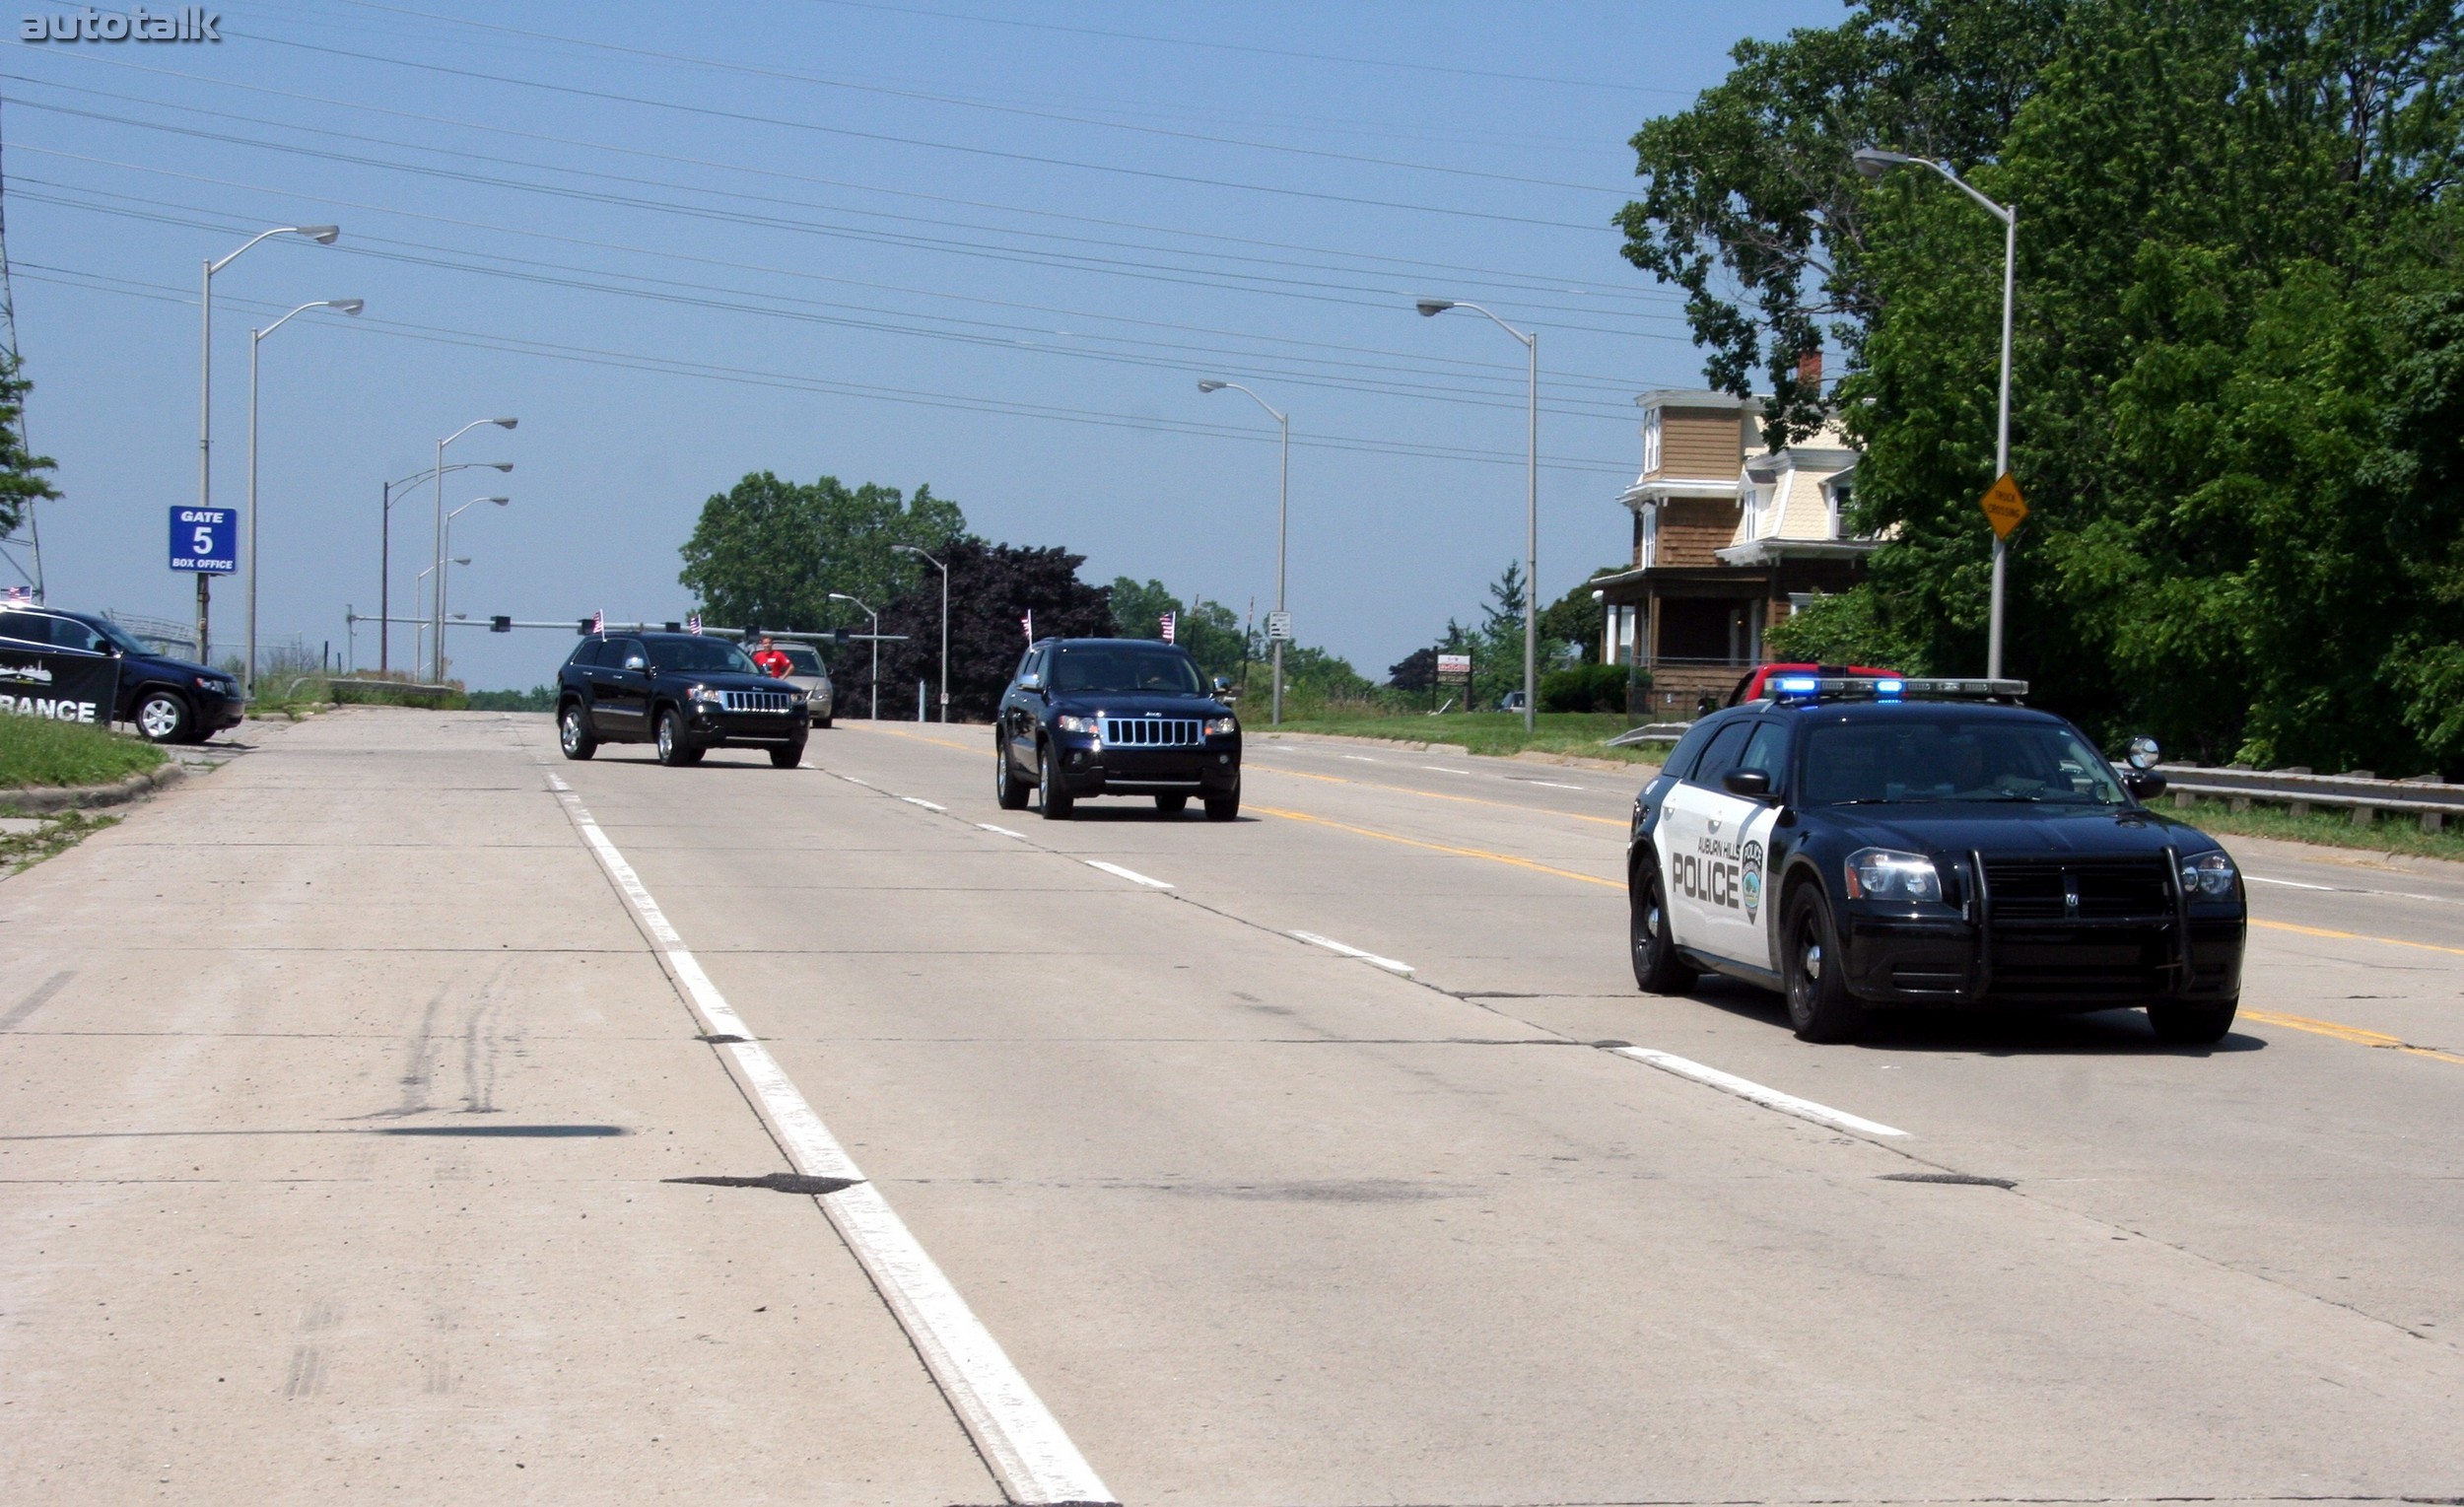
pixel 776 1182
pixel 722 1039
pixel 1959 1178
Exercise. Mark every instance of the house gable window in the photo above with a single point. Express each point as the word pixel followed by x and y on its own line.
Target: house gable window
pixel 1651 442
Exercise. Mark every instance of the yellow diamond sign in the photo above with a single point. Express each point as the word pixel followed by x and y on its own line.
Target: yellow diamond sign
pixel 2004 507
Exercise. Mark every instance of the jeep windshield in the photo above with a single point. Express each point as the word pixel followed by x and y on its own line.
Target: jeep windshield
pixel 690 655
pixel 1952 758
pixel 1125 669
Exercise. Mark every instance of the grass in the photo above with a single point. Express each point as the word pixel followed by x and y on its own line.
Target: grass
pixel 2393 832
pixel 20 851
pixel 1583 733
pixel 36 752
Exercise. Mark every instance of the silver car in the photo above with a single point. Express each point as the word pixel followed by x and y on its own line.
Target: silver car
pixel 808 674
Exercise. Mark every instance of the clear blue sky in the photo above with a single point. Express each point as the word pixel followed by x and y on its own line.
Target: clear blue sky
pixel 989 247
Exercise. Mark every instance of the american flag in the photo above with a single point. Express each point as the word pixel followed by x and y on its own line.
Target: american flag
pixel 598 621
pixel 20 596
pixel 1028 623
pixel 693 623
pixel 1171 621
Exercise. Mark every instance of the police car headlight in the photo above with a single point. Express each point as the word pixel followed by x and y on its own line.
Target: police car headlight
pixel 1071 722
pixel 1222 726
pixel 1882 873
pixel 2211 874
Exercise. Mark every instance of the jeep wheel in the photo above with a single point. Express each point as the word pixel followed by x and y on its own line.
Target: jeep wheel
pixel 673 750
pixel 787 756
pixel 572 732
pixel 1007 792
pixel 164 718
pixel 1226 806
pixel 1052 797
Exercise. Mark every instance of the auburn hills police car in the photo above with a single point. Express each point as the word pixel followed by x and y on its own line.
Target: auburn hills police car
pixel 1862 843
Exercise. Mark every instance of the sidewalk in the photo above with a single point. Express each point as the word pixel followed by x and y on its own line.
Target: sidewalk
pixel 336 1092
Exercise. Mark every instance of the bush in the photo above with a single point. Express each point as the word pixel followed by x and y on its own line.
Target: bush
pixel 1588 688
pixel 539 698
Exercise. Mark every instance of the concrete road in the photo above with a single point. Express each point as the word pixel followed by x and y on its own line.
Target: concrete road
pixel 1242 1217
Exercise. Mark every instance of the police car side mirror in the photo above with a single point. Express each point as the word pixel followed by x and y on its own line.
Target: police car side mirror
pixel 2143 753
pixel 2144 784
pixel 1753 783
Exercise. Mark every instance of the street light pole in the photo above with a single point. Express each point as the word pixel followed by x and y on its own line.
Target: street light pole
pixel 1430 309
pixel 1872 163
pixel 443 577
pixel 256 337
pixel 910 549
pixel 841 596
pixel 323 235
pixel 384 557
pixel 1282 523
pixel 437 648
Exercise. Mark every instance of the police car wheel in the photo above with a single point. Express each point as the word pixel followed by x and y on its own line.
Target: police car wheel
pixel 573 733
pixel 1007 792
pixel 2187 1023
pixel 1656 969
pixel 1052 798
pixel 1819 1005
pixel 164 718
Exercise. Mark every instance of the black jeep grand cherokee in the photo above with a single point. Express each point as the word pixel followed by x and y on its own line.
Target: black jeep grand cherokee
pixel 683 692
pixel 1115 717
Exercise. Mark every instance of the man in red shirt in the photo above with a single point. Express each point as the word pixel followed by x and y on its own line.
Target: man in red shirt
pixel 771 660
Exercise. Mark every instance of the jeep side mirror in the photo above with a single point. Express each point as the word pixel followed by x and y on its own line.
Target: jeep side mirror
pixel 1031 681
pixel 1223 686
pixel 635 662
pixel 1752 782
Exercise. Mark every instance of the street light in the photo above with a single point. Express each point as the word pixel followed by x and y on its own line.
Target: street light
pixel 1283 522
pixel 323 235
pixel 256 337
pixel 910 549
pixel 420 629
pixel 438 652
pixel 1872 162
pixel 1430 309
pixel 841 596
pixel 384 556
pixel 445 578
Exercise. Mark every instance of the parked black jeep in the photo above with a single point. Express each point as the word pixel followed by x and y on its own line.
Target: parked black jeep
pixel 1115 717
pixel 682 692
pixel 171 701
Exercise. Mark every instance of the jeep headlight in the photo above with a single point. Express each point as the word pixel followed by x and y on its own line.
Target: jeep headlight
pixel 1222 726
pixel 703 693
pixel 2210 875
pixel 1884 873
pixel 1071 721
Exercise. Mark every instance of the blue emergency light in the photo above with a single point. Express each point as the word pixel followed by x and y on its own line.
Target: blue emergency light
pixel 1797 685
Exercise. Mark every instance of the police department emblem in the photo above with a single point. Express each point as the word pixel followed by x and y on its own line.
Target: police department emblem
pixel 1751 883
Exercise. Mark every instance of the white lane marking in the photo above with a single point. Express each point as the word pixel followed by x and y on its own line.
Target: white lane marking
pixel 2344 889
pixel 1552 784
pixel 1021 1441
pixel 1371 958
pixel 1360 758
pixel 1131 874
pixel 866 783
pixel 1440 768
pixel 1004 831
pixel 918 800
pixel 1754 1093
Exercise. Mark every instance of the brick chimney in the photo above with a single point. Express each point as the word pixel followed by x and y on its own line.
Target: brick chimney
pixel 1809 369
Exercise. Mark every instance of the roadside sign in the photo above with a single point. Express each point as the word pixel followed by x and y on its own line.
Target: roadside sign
pixel 205 540
pixel 2004 507
pixel 1278 626
pixel 1454 667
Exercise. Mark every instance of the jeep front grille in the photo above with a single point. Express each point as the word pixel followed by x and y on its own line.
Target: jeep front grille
pixel 1153 733
pixel 755 701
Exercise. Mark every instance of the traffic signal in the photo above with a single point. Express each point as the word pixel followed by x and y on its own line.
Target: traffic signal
pixel 499 624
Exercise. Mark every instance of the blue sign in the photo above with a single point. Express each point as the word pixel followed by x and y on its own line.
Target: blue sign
pixel 205 539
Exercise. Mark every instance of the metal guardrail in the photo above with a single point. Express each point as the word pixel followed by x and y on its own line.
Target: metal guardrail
pixel 2426 797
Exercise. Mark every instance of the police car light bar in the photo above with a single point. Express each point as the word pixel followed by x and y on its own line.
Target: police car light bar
pixel 1892 688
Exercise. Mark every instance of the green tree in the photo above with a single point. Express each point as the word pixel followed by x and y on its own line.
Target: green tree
pixel 992 590
pixel 1209 631
pixel 769 551
pixel 22 482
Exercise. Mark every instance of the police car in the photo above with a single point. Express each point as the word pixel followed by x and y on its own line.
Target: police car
pixel 1859 843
